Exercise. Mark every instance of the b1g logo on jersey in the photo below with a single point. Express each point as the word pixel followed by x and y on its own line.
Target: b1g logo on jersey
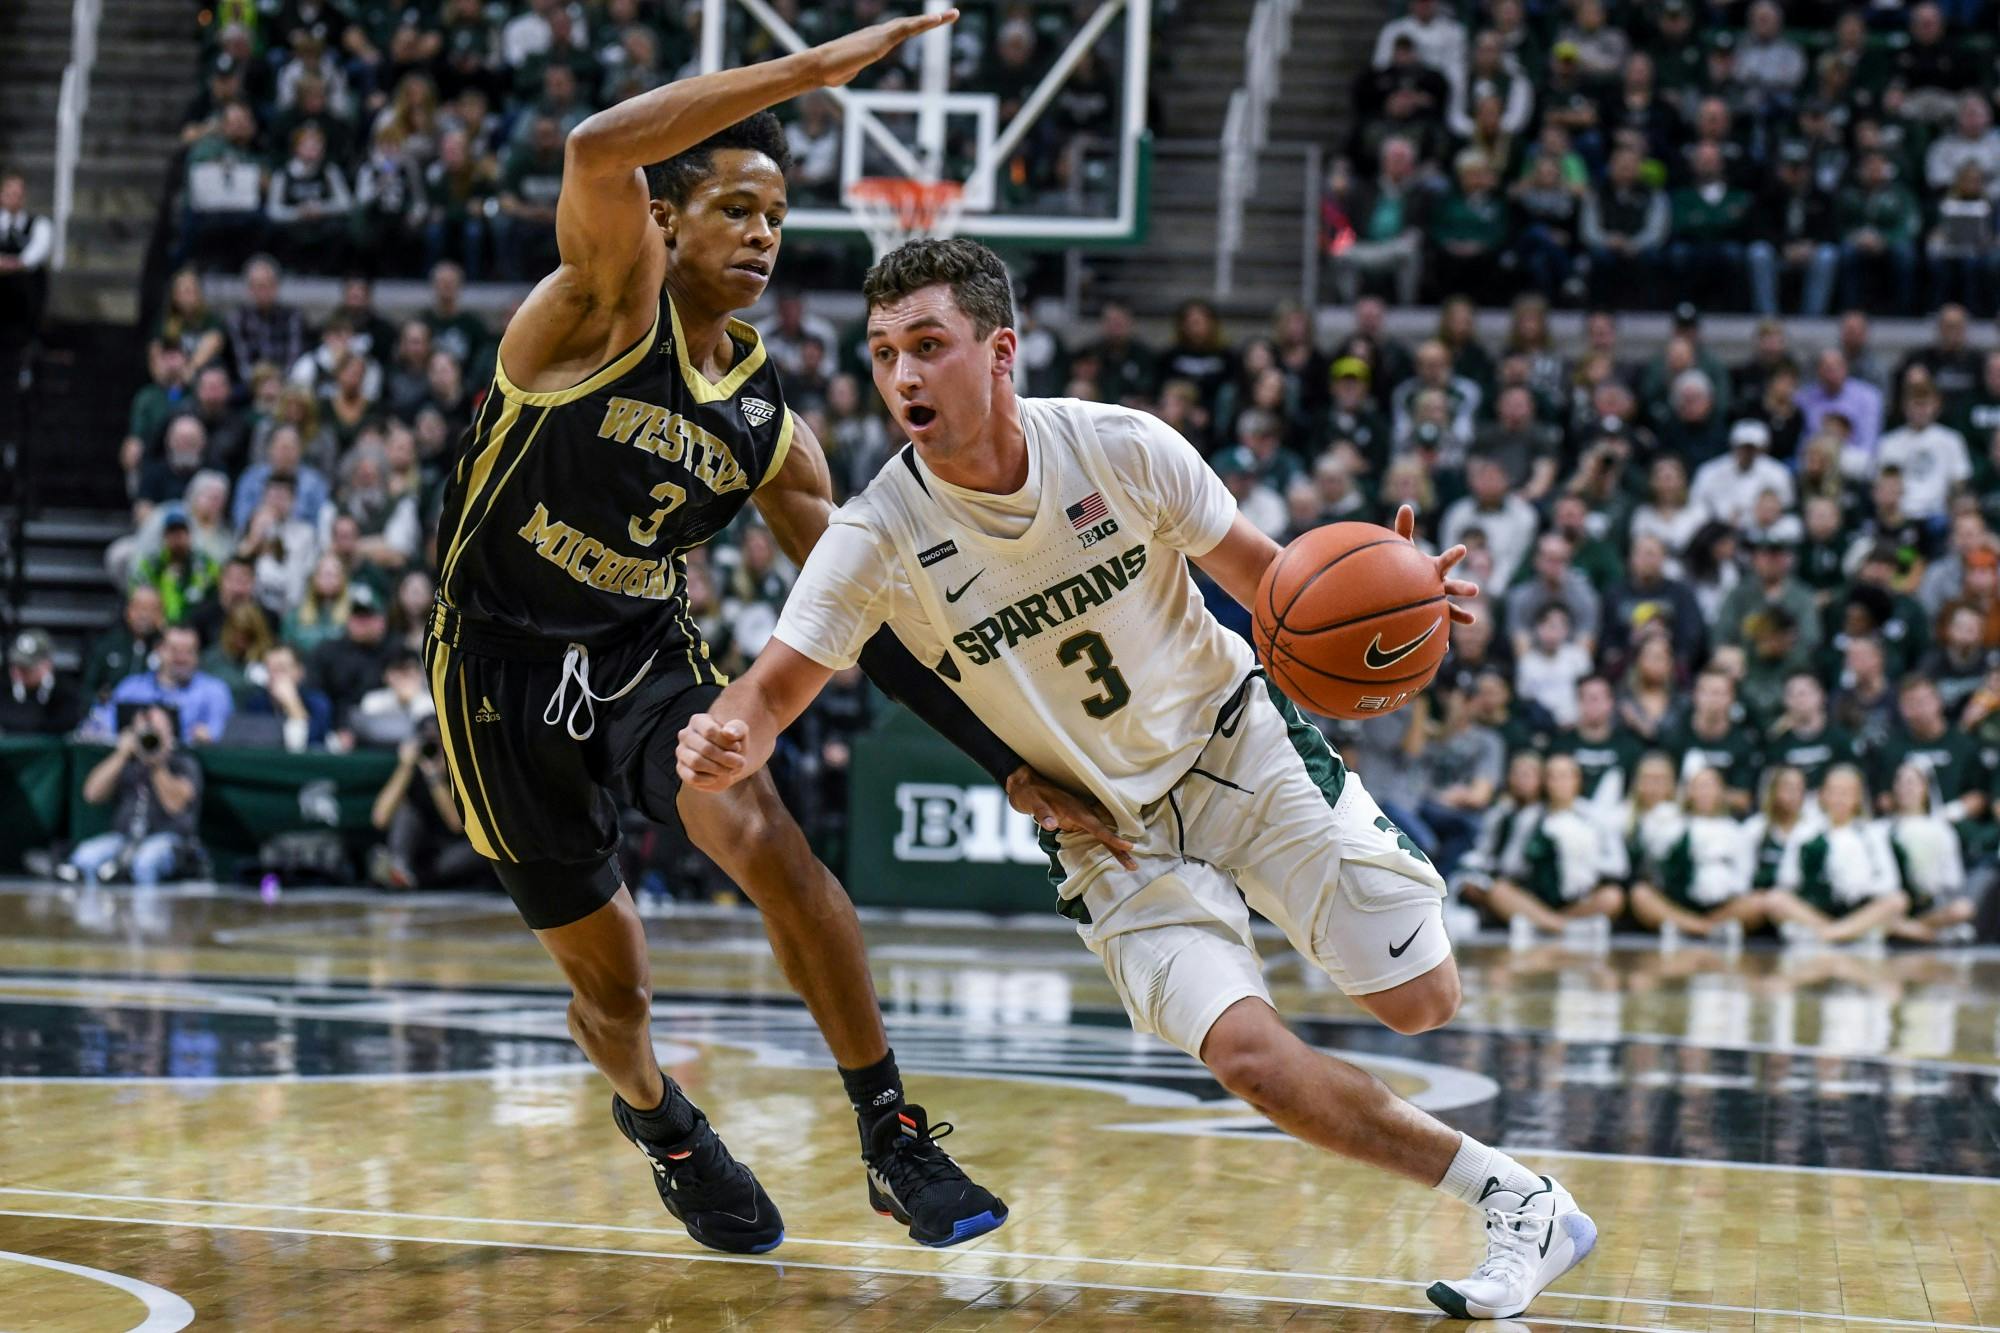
pixel 945 822
pixel 1091 519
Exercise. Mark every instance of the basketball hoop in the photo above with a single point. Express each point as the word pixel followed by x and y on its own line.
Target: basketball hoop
pixel 894 209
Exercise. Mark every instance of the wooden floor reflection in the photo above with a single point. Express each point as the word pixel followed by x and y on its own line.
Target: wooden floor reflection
pixel 350 1113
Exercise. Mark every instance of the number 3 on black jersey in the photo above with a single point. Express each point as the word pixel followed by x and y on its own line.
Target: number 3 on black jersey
pixel 1090 645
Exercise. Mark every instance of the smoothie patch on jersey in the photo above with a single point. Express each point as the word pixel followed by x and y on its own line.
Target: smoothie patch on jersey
pixel 1052 606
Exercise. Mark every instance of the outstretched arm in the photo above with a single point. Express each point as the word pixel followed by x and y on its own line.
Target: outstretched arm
pixel 602 216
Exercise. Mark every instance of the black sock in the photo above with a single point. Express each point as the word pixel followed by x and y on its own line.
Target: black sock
pixel 875 1089
pixel 669 1122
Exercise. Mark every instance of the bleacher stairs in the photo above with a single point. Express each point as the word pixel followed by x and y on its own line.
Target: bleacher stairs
pixel 1331 40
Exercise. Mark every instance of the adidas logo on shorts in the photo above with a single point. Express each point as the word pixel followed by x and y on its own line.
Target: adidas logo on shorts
pixel 756 411
pixel 487 712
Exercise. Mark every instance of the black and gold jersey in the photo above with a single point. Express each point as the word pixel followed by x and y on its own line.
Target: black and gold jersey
pixel 567 514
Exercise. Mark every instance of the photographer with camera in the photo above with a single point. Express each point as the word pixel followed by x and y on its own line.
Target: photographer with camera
pixel 426 842
pixel 157 787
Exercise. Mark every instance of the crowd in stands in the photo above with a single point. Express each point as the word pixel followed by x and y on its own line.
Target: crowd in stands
pixel 1737 652
pixel 382 138
pixel 1739 631
pixel 1762 157
pixel 1736 660
pixel 285 481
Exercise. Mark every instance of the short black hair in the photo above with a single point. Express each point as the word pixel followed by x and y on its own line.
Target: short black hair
pixel 676 178
pixel 977 278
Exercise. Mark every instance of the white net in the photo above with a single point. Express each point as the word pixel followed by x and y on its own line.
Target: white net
pixel 894 209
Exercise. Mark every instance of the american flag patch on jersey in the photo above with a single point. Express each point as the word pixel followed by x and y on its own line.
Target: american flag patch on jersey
pixel 1087 512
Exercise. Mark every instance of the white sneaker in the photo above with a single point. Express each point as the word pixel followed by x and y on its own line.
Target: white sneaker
pixel 1728 935
pixel 1520 933
pixel 1530 1242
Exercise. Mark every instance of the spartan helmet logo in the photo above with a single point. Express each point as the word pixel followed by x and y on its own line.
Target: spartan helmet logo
pixel 319 803
pixel 756 411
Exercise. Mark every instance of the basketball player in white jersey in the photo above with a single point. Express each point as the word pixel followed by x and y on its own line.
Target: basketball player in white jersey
pixel 1032 549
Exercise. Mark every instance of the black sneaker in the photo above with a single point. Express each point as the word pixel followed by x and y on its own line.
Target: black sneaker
pixel 714 1195
pixel 914 1181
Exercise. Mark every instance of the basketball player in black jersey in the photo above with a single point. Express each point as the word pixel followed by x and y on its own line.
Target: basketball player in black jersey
pixel 629 420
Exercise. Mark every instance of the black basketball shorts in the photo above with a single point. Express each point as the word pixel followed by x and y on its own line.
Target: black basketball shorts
pixel 535 766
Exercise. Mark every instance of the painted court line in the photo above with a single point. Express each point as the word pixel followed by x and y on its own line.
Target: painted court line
pixel 755 1261
pixel 165 1312
pixel 984 1252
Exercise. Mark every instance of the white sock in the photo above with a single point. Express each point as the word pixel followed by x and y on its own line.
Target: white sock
pixel 1477 1165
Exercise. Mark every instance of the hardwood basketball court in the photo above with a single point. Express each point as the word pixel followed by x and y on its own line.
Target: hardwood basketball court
pixel 349 1112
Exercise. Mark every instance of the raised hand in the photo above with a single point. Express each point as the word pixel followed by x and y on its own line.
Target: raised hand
pixel 839 60
pixel 1406 528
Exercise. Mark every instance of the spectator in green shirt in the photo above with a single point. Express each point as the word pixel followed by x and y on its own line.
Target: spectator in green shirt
pixel 524 239
pixel 1469 230
pixel 1879 223
pixel 1711 220
pixel 160 401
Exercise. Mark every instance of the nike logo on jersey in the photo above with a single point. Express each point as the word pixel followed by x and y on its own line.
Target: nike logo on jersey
pixel 1397 950
pixel 953 594
pixel 1379 660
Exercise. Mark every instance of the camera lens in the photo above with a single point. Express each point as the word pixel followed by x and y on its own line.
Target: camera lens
pixel 430 749
pixel 149 741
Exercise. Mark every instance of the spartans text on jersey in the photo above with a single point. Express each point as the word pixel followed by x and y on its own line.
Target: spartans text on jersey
pixel 1050 607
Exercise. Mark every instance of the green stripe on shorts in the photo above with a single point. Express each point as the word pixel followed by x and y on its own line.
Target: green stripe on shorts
pixel 1072 908
pixel 1323 766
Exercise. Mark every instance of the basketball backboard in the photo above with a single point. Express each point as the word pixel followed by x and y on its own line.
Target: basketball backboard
pixel 1040 116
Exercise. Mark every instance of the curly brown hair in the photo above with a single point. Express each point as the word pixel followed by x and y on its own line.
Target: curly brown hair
pixel 977 278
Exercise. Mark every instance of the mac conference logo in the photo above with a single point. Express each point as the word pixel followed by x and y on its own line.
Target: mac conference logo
pixel 941 821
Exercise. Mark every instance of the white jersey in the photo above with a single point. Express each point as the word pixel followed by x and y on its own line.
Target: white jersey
pixel 1063 615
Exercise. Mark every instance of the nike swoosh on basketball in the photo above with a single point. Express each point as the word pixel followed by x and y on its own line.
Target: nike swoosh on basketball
pixel 1397 950
pixel 1378 660
pixel 953 594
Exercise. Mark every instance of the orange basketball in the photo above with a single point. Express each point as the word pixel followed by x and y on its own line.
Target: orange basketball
pixel 1352 620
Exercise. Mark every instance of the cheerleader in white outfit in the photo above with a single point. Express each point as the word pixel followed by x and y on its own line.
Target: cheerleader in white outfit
pixel 1650 813
pixel 1785 817
pixel 1699 874
pixel 1570 866
pixel 1503 831
pixel 1841 883
pixel 1929 855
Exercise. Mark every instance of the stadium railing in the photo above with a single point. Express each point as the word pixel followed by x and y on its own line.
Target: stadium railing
pixel 1245 128
pixel 72 101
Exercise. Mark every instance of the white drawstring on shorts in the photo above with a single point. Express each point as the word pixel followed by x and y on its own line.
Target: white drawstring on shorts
pixel 576 666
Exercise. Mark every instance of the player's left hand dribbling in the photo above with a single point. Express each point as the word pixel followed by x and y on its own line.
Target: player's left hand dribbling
pixel 710 754
pixel 1406 528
